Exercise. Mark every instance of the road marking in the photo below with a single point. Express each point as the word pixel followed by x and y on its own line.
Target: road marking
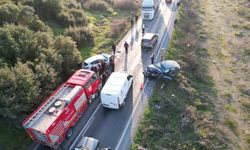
pixel 130 118
pixel 37 145
pixel 139 99
pixel 85 127
pixel 168 26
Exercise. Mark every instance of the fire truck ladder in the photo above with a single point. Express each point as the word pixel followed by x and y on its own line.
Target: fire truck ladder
pixel 48 103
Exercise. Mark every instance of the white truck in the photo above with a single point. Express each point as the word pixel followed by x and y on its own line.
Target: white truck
pixel 149 8
pixel 115 90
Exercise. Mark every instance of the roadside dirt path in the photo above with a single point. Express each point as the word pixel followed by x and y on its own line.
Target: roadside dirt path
pixel 226 24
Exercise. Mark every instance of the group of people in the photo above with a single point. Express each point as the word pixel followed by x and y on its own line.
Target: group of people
pixel 103 70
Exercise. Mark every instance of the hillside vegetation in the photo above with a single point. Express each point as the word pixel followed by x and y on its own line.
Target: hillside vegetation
pixel 42 42
pixel 207 106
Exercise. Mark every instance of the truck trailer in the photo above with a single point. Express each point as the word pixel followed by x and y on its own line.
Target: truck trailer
pixel 53 120
pixel 149 9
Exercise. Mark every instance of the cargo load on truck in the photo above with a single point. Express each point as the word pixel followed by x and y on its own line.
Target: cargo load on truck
pixel 53 120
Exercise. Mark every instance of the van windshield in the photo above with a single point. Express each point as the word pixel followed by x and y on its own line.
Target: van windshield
pixel 147 8
pixel 145 41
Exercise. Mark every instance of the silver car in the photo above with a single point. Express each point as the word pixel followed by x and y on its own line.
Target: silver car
pixel 88 143
pixel 149 40
pixel 94 61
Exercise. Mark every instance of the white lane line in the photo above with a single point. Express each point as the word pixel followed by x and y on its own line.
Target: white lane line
pixel 167 34
pixel 85 127
pixel 130 118
pixel 37 145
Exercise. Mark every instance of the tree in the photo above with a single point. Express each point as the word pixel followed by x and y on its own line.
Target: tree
pixel 47 77
pixel 18 91
pixel 70 55
pixel 9 13
pixel 17 42
pixel 81 35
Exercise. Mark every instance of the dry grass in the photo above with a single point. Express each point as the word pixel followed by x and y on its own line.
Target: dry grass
pixel 127 4
pixel 117 27
pixel 227 44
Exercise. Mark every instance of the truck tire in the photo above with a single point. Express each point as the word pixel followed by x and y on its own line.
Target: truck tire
pixel 98 91
pixel 69 133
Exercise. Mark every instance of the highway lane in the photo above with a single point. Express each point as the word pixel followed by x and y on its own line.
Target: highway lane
pixel 108 125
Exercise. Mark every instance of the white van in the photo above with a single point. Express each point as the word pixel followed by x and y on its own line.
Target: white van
pixel 149 8
pixel 115 90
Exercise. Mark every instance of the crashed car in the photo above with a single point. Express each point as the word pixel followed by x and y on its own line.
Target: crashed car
pixel 166 70
pixel 94 61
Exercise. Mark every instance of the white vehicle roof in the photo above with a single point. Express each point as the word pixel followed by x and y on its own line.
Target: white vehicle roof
pixel 93 58
pixel 115 83
pixel 147 3
pixel 148 36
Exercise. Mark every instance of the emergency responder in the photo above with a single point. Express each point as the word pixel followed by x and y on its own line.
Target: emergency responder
pixel 126 47
pixel 113 48
pixel 152 57
pixel 143 29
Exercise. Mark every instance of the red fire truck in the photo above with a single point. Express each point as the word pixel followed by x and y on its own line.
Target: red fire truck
pixel 51 122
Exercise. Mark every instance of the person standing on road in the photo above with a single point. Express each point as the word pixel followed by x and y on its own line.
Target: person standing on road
pixel 113 48
pixel 132 22
pixel 126 47
pixel 152 57
pixel 143 29
pixel 112 63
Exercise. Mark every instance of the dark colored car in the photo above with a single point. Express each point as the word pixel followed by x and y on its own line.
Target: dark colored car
pixel 168 1
pixel 166 70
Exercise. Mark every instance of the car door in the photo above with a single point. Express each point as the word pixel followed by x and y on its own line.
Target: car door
pixel 155 39
pixel 95 63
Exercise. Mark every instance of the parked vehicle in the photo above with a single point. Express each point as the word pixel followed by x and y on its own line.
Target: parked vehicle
pixel 95 61
pixel 166 70
pixel 116 89
pixel 53 120
pixel 149 8
pixel 149 40
pixel 88 143
pixel 168 1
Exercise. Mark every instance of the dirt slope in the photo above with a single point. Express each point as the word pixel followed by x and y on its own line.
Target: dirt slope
pixel 227 23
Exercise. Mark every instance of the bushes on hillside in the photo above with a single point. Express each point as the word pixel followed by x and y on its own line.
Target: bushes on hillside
pixel 9 13
pixel 81 35
pixel 118 26
pixel 18 91
pixel 65 13
pixel 126 4
pixel 96 5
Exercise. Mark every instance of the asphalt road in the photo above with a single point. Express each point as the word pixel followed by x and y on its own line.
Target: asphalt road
pixel 115 128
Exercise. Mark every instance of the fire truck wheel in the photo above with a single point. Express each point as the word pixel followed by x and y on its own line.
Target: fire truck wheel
pixel 92 97
pixel 69 133
pixel 98 91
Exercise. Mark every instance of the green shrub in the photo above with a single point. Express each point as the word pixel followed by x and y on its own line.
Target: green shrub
pixel 9 13
pixel 96 5
pixel 79 17
pixel 81 35
pixel 48 9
